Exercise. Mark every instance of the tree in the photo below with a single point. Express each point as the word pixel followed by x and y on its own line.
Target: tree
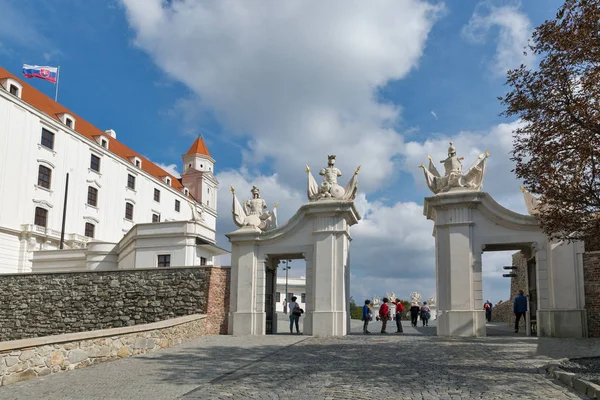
pixel 557 146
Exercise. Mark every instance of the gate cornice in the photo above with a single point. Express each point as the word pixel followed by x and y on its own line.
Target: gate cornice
pixel 484 203
pixel 305 214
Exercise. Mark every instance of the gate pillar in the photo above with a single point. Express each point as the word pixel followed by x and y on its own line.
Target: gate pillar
pixel 458 264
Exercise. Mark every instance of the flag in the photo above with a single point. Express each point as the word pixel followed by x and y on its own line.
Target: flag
pixel 35 71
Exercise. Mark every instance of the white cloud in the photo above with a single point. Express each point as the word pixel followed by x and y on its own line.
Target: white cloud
pixel 298 80
pixel 434 114
pixel 170 168
pixel 298 77
pixel 514 30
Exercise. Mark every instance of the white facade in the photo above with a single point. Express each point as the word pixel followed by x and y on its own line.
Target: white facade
pixel 77 148
pixel 163 244
pixel 295 287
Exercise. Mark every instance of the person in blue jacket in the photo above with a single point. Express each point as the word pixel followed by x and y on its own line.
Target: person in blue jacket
pixel 367 316
pixel 519 308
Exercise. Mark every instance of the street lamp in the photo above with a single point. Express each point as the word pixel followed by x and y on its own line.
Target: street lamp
pixel 286 268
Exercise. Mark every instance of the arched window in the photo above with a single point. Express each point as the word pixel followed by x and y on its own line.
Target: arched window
pixel 44 176
pixel 92 199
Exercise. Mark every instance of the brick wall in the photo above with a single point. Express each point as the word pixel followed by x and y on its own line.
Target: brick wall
pixel 218 301
pixel 34 305
pixel 591 278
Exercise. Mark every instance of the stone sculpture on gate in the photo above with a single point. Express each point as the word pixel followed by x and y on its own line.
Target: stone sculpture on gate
pixel 533 203
pixel 415 297
pixel 376 301
pixel 254 213
pixel 329 188
pixel 454 178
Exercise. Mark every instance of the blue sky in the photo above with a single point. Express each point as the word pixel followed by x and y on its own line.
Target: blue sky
pixel 275 86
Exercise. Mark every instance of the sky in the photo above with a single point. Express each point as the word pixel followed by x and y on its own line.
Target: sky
pixel 273 86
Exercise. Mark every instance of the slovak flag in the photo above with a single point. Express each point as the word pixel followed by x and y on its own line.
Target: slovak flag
pixel 35 71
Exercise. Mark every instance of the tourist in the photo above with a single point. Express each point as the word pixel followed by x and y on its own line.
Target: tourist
pixel 284 306
pixel 414 313
pixel 295 313
pixel 367 316
pixel 399 311
pixel 384 314
pixel 519 308
pixel 488 311
pixel 425 314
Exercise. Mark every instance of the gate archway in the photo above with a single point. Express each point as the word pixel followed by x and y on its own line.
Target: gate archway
pixel 320 234
pixel 467 223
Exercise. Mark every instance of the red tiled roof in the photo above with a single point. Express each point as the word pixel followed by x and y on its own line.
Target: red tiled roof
pixel 45 104
pixel 199 147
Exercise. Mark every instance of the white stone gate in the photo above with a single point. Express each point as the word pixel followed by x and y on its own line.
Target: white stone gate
pixel 319 233
pixel 468 222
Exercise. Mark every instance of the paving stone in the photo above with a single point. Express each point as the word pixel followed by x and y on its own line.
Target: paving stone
pixel 413 365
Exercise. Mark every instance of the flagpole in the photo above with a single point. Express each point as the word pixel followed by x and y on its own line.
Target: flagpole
pixel 57 78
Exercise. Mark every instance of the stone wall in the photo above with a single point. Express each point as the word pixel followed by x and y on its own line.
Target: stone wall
pixel 591 281
pixel 30 358
pixel 34 305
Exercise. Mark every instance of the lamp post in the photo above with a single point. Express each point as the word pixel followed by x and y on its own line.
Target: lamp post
pixel 287 300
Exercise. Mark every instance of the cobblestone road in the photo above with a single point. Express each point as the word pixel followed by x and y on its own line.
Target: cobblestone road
pixel 409 366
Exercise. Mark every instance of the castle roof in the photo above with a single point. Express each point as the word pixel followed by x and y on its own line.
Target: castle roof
pixel 46 105
pixel 199 147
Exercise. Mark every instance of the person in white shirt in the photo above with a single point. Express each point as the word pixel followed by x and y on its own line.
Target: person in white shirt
pixel 295 312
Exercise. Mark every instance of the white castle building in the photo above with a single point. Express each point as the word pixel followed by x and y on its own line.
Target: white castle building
pixel 295 287
pixel 111 190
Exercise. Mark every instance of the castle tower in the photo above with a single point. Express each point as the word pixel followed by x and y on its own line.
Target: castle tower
pixel 198 176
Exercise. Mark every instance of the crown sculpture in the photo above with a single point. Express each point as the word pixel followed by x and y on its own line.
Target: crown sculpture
pixel 329 189
pixel 415 297
pixel 253 214
pixel 454 178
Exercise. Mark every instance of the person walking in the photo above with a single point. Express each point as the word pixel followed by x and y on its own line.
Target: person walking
pixel 384 314
pixel 414 313
pixel 295 313
pixel 367 316
pixel 425 314
pixel 519 308
pixel 488 311
pixel 399 311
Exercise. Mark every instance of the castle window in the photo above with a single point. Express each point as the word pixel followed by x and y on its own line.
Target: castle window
pixel 177 205
pixel 14 90
pixel 164 260
pixel 44 177
pixel 202 260
pixel 138 163
pixel 89 230
pixel 41 217
pixel 92 199
pixel 69 122
pixel 129 211
pixel 95 163
pixel 47 139
pixel 104 143
pixel 155 218
pixel 131 181
pixel 157 195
